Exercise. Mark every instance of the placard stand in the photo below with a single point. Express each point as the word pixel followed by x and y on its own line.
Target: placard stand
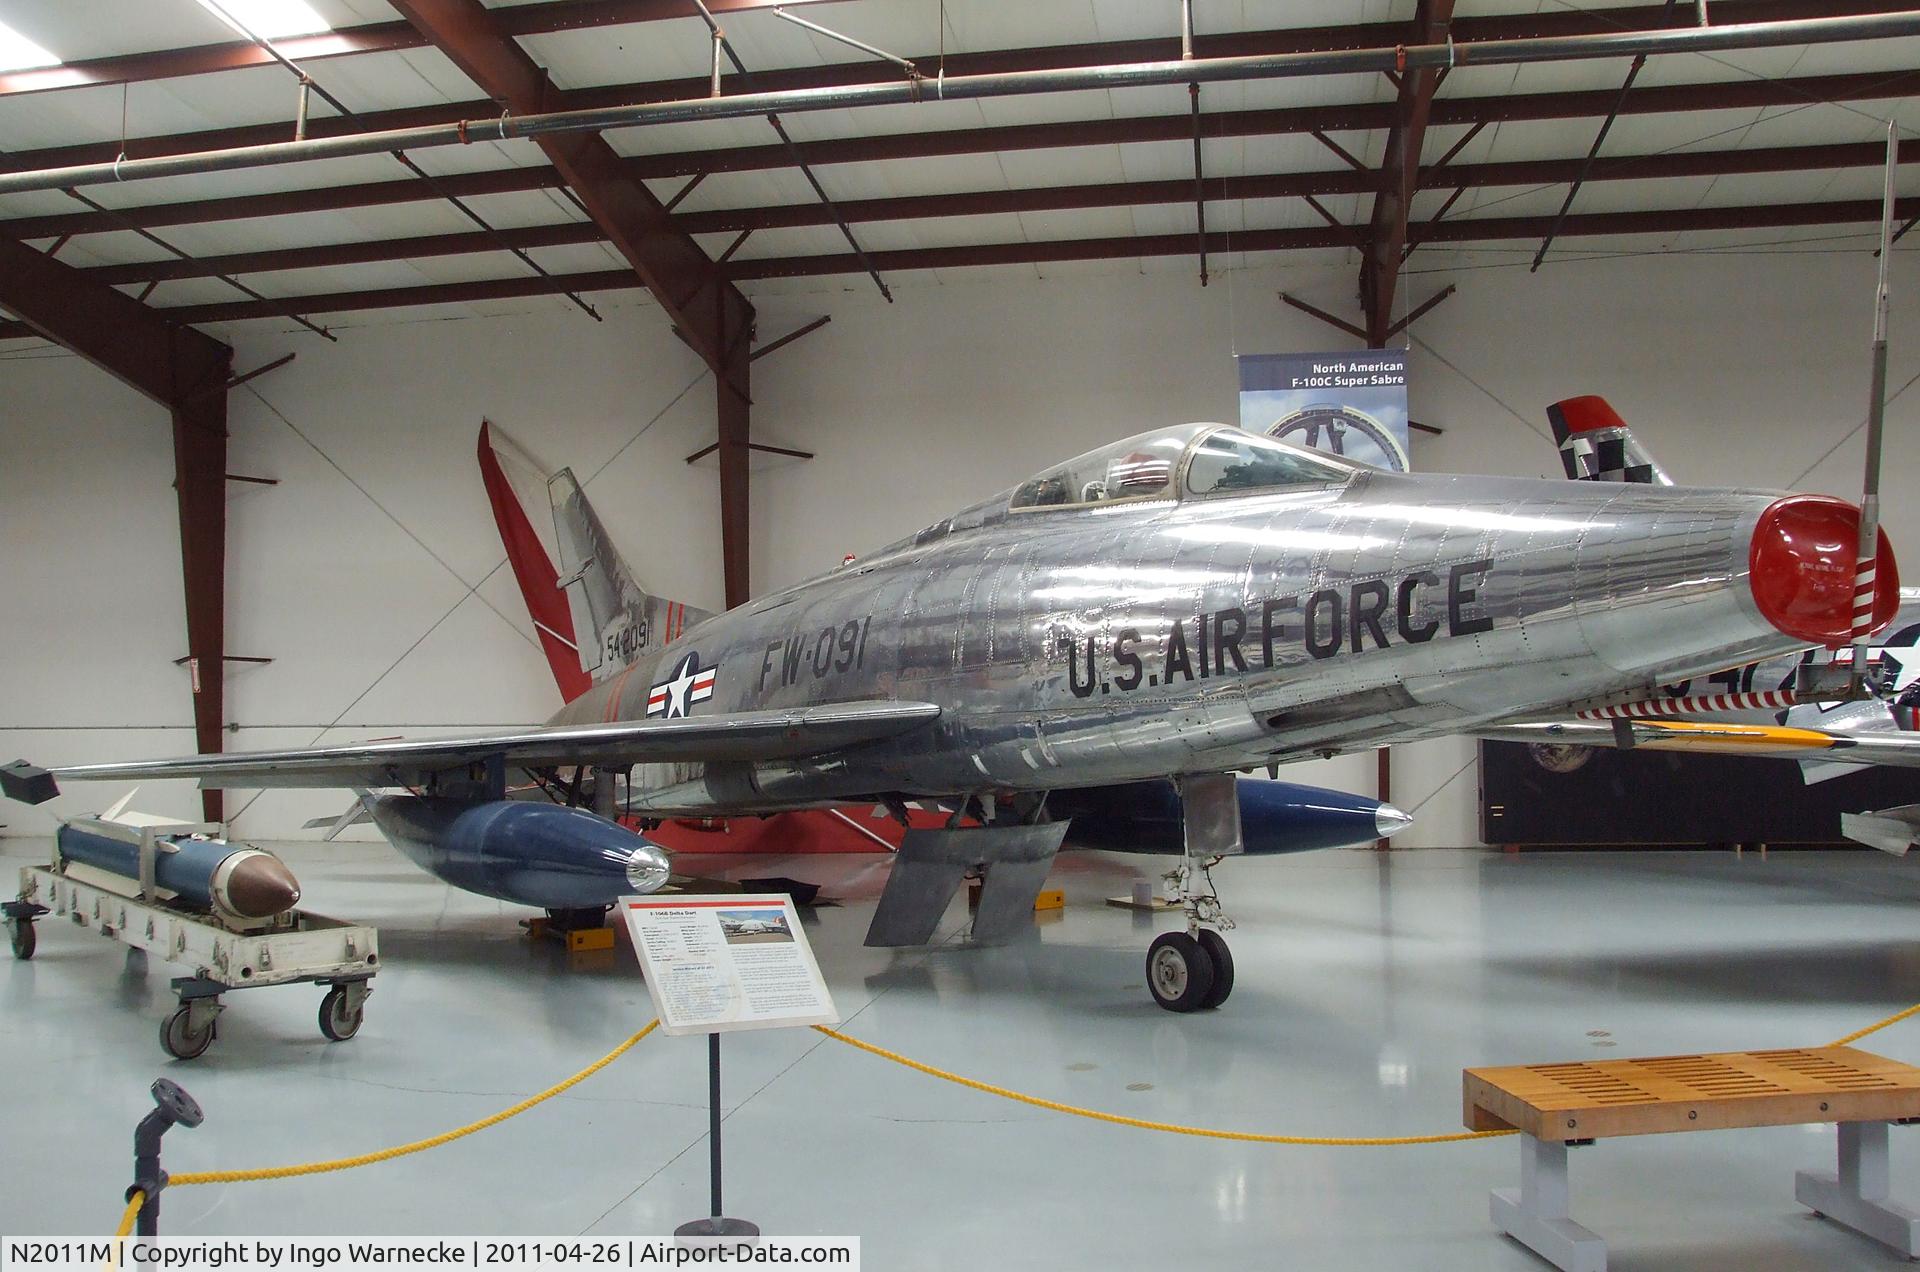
pixel 715 1225
pixel 713 963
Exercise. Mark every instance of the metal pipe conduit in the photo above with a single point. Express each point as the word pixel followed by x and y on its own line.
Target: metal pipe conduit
pixel 1006 84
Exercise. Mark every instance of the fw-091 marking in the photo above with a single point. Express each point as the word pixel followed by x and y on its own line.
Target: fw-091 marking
pixel 833 650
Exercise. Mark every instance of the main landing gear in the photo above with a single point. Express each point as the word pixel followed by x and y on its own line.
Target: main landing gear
pixel 1192 970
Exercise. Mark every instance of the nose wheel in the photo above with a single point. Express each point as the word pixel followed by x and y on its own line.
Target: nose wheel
pixel 1192 970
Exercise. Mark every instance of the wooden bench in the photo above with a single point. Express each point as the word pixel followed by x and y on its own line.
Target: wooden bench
pixel 1555 1106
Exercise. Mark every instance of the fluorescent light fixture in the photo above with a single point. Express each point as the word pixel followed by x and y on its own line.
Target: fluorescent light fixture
pixel 18 53
pixel 268 19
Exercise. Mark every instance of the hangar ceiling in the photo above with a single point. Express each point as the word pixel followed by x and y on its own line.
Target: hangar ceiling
pixel 1759 149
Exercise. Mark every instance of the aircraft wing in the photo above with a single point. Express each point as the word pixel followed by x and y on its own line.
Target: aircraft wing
pixel 1784 741
pixel 746 735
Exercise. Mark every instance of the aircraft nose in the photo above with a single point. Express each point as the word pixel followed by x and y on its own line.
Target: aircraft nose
pixel 260 886
pixel 1801 570
pixel 1389 821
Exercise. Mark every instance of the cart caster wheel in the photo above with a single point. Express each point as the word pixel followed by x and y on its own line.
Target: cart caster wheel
pixel 336 1021
pixel 24 938
pixel 1216 947
pixel 1179 972
pixel 177 1036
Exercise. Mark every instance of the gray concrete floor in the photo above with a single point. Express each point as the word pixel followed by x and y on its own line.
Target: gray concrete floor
pixel 1366 983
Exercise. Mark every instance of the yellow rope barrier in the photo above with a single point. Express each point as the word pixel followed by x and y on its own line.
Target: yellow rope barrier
pixel 1876 1027
pixel 418 1146
pixel 1245 1137
pixel 132 1212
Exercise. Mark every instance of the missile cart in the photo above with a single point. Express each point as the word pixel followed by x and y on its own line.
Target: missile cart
pixel 181 892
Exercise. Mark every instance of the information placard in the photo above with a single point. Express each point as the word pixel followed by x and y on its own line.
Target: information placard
pixel 718 963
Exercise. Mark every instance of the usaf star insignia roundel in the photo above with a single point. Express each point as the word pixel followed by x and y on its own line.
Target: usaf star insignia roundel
pixel 689 683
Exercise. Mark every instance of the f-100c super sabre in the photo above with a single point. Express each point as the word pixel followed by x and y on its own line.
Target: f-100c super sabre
pixel 1185 603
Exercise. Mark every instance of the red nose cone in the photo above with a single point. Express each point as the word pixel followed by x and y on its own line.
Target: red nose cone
pixel 1802 570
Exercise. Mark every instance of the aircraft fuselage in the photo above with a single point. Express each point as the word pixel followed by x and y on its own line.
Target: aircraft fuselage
pixel 1113 642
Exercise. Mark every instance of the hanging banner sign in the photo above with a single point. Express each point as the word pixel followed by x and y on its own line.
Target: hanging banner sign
pixel 1352 403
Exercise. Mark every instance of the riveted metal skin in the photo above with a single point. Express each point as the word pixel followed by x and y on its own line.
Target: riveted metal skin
pixel 1132 638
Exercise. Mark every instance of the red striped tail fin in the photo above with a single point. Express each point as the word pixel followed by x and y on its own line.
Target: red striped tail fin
pixel 590 612
pixel 532 566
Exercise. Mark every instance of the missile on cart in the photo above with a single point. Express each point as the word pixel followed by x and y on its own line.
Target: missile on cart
pixel 201 873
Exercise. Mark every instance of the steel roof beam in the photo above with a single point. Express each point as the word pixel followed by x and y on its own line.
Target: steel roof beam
pixel 543 126
pixel 1463 230
pixel 689 287
pixel 285 203
pixel 373 37
pixel 1399 173
pixel 1061 57
pixel 146 349
pixel 928 144
pixel 185 371
pixel 705 308
pixel 1454 176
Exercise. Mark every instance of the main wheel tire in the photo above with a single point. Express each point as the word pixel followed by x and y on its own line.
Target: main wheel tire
pixel 177 1037
pixel 25 940
pixel 1216 947
pixel 1179 972
pixel 336 1022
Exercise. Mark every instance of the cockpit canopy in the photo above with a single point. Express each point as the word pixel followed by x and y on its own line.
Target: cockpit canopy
pixel 1191 461
pixel 1205 459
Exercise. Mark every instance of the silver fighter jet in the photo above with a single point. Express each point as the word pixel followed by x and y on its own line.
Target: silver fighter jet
pixel 1187 602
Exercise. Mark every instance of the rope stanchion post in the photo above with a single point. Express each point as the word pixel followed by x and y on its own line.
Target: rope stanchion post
pixel 716 1224
pixel 172 1107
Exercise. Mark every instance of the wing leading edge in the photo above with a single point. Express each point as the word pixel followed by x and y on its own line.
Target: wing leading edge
pixel 743 736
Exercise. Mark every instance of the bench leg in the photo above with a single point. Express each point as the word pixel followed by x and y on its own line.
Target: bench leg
pixel 1536 1214
pixel 1857 1197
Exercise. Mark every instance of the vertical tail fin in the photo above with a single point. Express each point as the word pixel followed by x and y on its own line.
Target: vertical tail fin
pixel 590 612
pixel 605 598
pixel 1596 444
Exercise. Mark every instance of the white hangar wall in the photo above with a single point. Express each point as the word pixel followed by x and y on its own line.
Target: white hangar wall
pixel 371 574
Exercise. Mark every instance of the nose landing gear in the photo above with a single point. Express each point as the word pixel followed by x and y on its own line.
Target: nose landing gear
pixel 1192 970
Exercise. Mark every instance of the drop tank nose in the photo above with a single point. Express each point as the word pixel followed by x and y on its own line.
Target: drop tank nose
pixel 256 885
pixel 1803 574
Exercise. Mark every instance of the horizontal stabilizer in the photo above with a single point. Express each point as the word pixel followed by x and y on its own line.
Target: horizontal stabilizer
pixel 353 816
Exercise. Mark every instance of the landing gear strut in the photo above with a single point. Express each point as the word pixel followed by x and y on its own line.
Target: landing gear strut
pixel 1192 970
